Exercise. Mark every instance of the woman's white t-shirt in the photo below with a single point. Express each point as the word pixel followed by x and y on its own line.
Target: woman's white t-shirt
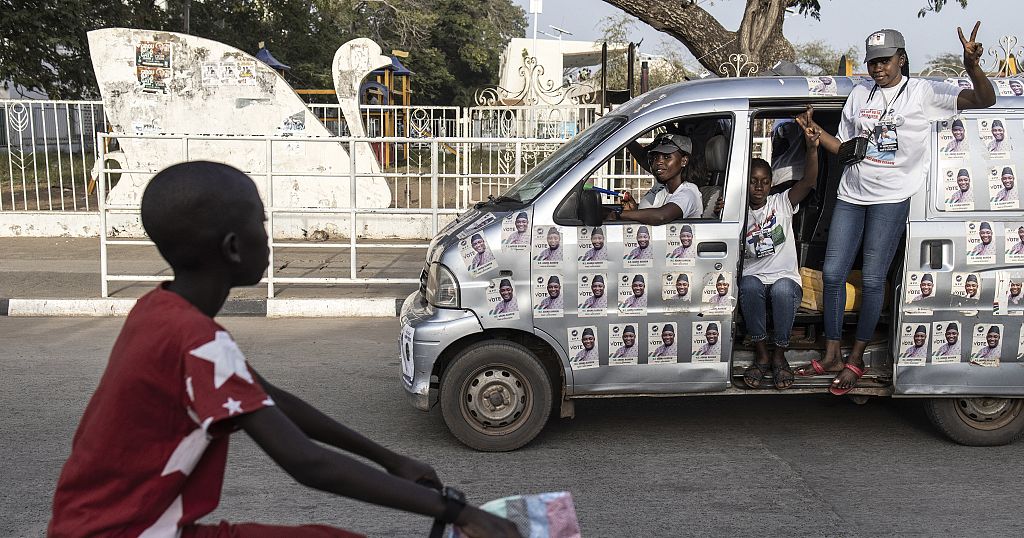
pixel 892 176
pixel 687 197
pixel 769 251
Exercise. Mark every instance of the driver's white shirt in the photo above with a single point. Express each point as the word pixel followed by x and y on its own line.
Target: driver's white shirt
pixel 687 197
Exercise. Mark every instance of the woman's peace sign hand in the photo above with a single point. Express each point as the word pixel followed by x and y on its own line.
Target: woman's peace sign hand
pixel 972 49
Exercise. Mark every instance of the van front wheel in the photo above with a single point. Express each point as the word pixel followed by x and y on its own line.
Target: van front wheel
pixel 495 396
pixel 978 421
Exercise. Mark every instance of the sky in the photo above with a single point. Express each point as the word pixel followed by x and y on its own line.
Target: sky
pixel 844 23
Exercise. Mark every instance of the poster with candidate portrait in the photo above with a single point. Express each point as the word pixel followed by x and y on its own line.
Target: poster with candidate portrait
pixel 995 139
pixel 592 295
pixel 958 187
pixel 981 243
pixel 1002 187
pixel 680 245
pixel 717 294
pixel 1009 88
pixel 515 232
pixel 913 344
pixel 502 304
pixel 677 290
pixel 821 86
pixel 584 351
pixel 632 294
pixel 1014 239
pixel 592 248
pixel 1009 297
pixel 476 226
pixel 547 246
pixel 637 246
pixel 1020 344
pixel 623 344
pixel 966 290
pixel 548 301
pixel 477 255
pixel 953 142
pixel 662 346
pixel 986 344
pixel 946 342
pixel 705 341
pixel 920 288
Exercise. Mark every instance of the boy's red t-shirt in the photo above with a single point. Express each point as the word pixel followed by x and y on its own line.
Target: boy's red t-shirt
pixel 150 451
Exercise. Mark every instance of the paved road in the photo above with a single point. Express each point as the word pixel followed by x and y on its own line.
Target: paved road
pixel 765 465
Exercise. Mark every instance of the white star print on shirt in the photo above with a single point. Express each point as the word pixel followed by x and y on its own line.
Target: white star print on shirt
pixel 233 406
pixel 227 359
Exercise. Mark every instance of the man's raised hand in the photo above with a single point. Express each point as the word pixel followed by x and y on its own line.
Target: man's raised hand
pixel 972 49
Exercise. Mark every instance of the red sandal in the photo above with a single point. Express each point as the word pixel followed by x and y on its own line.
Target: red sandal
pixel 816 367
pixel 856 371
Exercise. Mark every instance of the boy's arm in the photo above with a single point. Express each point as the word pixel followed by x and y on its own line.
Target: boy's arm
pixel 317 467
pixel 812 137
pixel 320 427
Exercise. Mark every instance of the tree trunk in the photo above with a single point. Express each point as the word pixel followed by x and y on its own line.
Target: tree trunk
pixel 759 38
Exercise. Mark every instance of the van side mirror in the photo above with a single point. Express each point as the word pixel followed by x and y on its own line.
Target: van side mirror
pixel 591 212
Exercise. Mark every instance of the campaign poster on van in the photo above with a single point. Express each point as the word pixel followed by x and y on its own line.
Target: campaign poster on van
pixel 1014 234
pixel 986 344
pixel 716 297
pixel 945 342
pixel 966 289
pixel 1009 88
pixel 584 351
pixel 958 190
pixel 547 246
pixel 501 300
pixel 920 287
pixel 680 246
pixel 633 294
pixel 477 225
pixel 662 344
pixel 592 295
pixel 1020 344
pixel 593 249
pixel 637 251
pixel 477 255
pixel 1009 298
pixel 981 244
pixel 995 138
pixel 953 142
pixel 547 295
pixel 1002 187
pixel 408 362
pixel 913 344
pixel 705 342
pixel 623 345
pixel 675 290
pixel 515 232
pixel 821 86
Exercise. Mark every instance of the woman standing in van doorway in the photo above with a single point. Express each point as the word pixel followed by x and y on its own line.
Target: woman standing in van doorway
pixel 875 190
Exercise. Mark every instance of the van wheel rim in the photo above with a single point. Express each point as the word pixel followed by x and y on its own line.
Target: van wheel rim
pixel 495 399
pixel 988 413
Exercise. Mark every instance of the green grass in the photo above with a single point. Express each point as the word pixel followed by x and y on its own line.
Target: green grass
pixel 47 176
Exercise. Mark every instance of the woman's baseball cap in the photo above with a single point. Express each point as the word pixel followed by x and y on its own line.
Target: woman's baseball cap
pixel 883 44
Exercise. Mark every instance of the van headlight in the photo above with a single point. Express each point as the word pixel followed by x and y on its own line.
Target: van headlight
pixel 442 288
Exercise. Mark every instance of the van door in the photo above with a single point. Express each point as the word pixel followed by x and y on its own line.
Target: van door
pixel 647 309
pixel 959 330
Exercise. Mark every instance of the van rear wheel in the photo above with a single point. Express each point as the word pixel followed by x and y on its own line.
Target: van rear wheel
pixel 495 396
pixel 978 421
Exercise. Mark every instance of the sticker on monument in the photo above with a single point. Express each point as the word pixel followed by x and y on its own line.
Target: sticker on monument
pixel 246 73
pixel 477 255
pixel 913 344
pixel 981 245
pixel 994 138
pixel 153 79
pixel 515 232
pixel 583 347
pixel 636 246
pixel 958 191
pixel 623 346
pixel 1002 187
pixel 153 54
pixel 953 143
pixel 680 248
pixel 547 295
pixel 1014 243
pixel 632 294
pixel 986 344
pixel 675 290
pixel 210 74
pixel 592 295
pixel 547 246
pixel 716 297
pixel 945 342
pixel 705 341
pixel 661 343
pixel 501 300
pixel 590 242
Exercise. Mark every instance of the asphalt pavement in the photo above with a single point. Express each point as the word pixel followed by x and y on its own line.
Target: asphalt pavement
pixel 695 466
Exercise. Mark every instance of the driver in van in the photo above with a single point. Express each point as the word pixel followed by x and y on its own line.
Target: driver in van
pixel 873 205
pixel 668 157
pixel 771 271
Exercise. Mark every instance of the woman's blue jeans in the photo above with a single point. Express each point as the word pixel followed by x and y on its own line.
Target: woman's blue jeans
pixel 785 298
pixel 879 227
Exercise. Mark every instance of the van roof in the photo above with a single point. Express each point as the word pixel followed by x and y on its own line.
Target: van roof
pixel 765 88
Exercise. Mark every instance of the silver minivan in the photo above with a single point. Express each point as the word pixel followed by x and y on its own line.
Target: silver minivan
pixel 529 302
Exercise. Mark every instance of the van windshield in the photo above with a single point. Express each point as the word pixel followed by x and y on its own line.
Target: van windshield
pixel 546 173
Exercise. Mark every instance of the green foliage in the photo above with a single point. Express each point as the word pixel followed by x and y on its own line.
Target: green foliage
pixel 936 6
pixel 819 58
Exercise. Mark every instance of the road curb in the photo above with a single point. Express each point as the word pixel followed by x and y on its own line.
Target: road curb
pixel 383 307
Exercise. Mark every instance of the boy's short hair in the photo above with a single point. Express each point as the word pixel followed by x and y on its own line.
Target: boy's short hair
pixel 758 162
pixel 188 208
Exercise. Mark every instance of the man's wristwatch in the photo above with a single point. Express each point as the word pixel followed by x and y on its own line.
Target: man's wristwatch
pixel 618 213
pixel 454 502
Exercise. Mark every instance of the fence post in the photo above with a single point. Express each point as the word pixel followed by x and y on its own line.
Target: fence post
pixel 434 152
pixel 269 163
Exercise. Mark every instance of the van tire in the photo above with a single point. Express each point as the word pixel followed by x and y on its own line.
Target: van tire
pixel 978 421
pixel 495 396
